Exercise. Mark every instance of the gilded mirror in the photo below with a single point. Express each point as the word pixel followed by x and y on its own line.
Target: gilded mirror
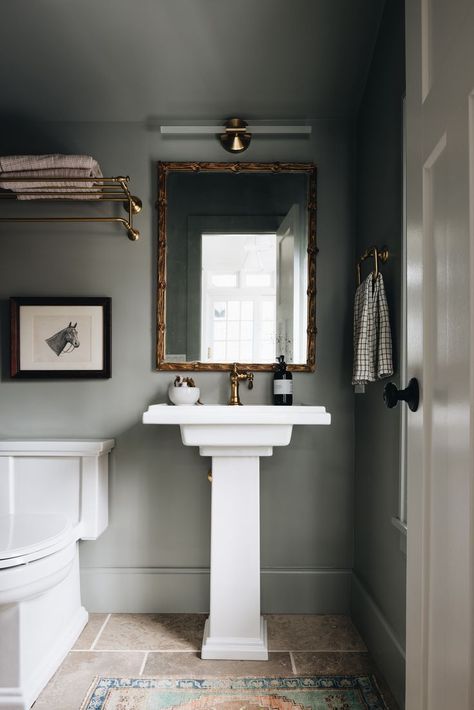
pixel 236 277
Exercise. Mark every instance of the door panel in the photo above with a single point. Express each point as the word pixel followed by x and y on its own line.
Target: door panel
pixel 440 168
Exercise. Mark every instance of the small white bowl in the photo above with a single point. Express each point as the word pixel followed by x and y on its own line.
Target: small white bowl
pixel 183 395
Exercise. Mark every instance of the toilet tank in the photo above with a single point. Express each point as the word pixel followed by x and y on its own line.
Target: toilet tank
pixel 69 477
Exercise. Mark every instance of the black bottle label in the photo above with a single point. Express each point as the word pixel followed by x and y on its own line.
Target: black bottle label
pixel 283 389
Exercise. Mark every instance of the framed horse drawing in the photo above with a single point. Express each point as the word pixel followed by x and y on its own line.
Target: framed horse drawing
pixel 53 338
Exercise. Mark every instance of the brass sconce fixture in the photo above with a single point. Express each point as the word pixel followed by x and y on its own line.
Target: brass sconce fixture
pixel 237 134
pixel 236 138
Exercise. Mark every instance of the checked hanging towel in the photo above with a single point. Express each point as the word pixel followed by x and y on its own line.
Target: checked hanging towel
pixel 372 336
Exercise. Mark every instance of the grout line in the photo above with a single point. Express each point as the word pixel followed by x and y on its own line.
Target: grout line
pixel 92 648
pixel 135 650
pixel 142 667
pixel 109 650
pixel 293 665
pixel 318 650
pixel 195 650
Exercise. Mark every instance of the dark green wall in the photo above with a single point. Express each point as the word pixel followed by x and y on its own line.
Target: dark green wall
pixel 378 598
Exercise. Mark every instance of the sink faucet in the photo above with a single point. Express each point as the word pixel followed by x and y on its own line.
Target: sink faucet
pixel 235 377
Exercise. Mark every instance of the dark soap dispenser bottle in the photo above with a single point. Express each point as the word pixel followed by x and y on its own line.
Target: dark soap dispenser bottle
pixel 282 383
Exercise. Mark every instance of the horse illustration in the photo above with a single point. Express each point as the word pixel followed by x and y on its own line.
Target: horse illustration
pixel 65 340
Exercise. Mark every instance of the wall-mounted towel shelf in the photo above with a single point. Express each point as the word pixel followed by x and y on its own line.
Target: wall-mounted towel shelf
pixel 377 255
pixel 104 189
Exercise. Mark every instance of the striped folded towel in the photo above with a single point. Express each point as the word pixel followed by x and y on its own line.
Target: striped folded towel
pixel 372 336
pixel 63 167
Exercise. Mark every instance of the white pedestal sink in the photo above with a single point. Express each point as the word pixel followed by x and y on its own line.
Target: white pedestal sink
pixel 235 437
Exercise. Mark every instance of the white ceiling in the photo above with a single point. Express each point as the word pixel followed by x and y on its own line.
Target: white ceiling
pixel 147 60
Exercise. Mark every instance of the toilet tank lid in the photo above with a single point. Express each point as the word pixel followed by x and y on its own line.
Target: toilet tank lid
pixel 56 447
pixel 25 533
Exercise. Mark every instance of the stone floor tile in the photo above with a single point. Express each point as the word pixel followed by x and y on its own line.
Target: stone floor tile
pixel 192 666
pixel 153 632
pixel 319 645
pixel 303 632
pixel 89 634
pixel 68 687
pixel 333 663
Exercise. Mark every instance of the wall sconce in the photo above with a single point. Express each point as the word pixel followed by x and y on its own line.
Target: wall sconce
pixel 236 138
pixel 238 134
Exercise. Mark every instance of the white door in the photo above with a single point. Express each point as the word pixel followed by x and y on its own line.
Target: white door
pixel 285 287
pixel 440 342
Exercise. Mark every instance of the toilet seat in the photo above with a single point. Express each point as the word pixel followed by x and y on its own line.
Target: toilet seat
pixel 25 537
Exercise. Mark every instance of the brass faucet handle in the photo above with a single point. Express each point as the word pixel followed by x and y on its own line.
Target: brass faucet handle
pixel 235 378
pixel 234 386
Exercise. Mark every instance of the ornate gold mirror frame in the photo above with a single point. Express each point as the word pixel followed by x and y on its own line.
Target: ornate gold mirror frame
pixel 164 169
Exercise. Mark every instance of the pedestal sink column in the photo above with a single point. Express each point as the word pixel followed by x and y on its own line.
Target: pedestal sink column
pixel 235 438
pixel 235 628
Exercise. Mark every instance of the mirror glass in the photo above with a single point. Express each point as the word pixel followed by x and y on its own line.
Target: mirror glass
pixel 235 265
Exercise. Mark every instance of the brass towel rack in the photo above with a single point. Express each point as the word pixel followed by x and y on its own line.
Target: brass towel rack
pixel 378 255
pixel 104 189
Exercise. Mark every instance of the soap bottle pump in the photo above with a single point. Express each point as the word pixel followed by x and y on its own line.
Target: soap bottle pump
pixel 282 383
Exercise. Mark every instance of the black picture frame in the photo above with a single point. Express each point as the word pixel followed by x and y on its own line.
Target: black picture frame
pixel 32 355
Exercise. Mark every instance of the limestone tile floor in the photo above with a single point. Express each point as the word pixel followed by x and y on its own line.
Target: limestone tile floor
pixel 167 645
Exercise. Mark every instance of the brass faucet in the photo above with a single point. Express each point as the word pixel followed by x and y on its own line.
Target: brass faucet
pixel 235 377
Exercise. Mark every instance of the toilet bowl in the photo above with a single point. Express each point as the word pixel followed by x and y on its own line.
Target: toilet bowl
pixel 52 494
pixel 36 551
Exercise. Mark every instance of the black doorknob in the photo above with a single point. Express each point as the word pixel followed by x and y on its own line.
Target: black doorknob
pixel 411 395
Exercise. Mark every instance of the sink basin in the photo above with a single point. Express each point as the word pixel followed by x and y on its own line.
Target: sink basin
pixel 216 427
pixel 235 437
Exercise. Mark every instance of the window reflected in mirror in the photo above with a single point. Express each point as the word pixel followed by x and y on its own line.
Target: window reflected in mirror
pixel 238 313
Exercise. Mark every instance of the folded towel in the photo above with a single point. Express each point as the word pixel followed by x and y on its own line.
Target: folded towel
pixel 65 167
pixel 48 176
pixel 15 163
pixel 372 336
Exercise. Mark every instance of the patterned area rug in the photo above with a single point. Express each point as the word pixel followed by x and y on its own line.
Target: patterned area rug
pixel 296 693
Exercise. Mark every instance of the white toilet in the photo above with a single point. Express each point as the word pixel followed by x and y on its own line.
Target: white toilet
pixel 52 494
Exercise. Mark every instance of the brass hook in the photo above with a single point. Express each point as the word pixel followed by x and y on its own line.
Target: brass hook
pixel 377 253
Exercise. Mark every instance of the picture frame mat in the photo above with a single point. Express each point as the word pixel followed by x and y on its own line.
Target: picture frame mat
pixel 37 321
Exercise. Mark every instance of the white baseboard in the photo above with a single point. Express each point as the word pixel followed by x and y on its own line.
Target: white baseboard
pixel 380 638
pixel 181 590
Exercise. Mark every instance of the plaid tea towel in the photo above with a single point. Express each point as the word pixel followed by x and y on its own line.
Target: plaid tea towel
pixel 372 336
